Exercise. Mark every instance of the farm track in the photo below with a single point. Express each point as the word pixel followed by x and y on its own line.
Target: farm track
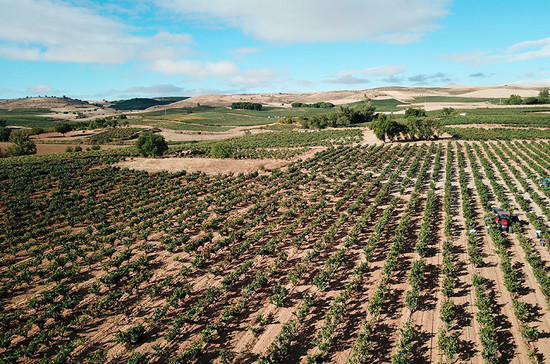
pixel 195 259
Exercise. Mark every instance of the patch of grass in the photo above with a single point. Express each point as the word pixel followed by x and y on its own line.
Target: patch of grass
pixel 511 117
pixel 498 133
pixel 388 105
pixel 422 99
pixel 28 117
pixel 223 117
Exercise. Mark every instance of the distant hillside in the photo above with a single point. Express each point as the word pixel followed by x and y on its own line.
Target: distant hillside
pixel 454 93
pixel 42 103
pixel 144 103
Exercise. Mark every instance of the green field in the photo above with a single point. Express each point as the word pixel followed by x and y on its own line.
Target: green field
pixel 513 117
pixel 388 105
pixel 27 117
pixel 454 99
pixel 205 118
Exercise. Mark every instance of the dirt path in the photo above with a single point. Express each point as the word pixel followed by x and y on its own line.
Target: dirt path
pixel 211 166
pixel 179 136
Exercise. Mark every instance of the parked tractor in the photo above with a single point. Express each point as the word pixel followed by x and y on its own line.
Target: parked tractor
pixel 544 182
pixel 503 219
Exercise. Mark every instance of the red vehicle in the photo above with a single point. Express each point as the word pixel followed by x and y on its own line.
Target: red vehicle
pixel 503 219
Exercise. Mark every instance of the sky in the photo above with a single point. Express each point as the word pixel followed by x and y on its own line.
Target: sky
pixel 106 49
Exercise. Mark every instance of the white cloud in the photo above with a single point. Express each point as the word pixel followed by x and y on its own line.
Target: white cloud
pixel 39 89
pixel 522 51
pixel 226 70
pixel 255 78
pixel 243 51
pixel 53 30
pixel 60 31
pixel 349 80
pixel 156 89
pixel 195 69
pixel 361 76
pixel 290 21
pixel 429 79
pixel 145 91
pixel 381 71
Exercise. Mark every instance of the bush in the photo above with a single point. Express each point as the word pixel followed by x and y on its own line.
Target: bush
pixel 36 130
pixel 513 100
pixel 138 358
pixel 131 336
pixel 221 150
pixel 417 113
pixel 149 144
pixel 448 111
pixel 22 144
pixel 63 128
pixel 4 134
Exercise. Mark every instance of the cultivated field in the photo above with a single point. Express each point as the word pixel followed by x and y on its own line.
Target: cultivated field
pixel 356 254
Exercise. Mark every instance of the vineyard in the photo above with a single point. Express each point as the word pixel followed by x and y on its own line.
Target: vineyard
pixel 359 254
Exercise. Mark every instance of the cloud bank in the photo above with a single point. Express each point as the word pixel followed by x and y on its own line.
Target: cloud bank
pixel 305 21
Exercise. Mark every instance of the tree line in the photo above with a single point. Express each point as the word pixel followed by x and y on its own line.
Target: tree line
pixel 344 116
pixel 543 98
pixel 317 105
pixel 247 106
pixel 417 126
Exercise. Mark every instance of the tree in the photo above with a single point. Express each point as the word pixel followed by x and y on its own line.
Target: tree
pixel 22 144
pixel 63 128
pixel 422 128
pixel 3 123
pixel 513 100
pixel 5 134
pixel 37 130
pixel 544 98
pixel 149 144
pixel 221 150
pixel 386 127
pixel 347 115
pixel 419 113
pixel 448 111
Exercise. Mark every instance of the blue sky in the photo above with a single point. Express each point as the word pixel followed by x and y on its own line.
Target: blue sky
pixel 95 49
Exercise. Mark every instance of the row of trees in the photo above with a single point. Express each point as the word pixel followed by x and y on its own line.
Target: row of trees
pixel 345 116
pixel 246 105
pixel 543 98
pixel 317 105
pixel 413 128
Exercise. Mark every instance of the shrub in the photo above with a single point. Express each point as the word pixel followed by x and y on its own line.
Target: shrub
pixel 138 358
pixel 131 336
pixel 37 130
pixel 221 150
pixel 149 144
pixel 22 144
pixel 4 134
pixel 417 113
pixel 63 128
